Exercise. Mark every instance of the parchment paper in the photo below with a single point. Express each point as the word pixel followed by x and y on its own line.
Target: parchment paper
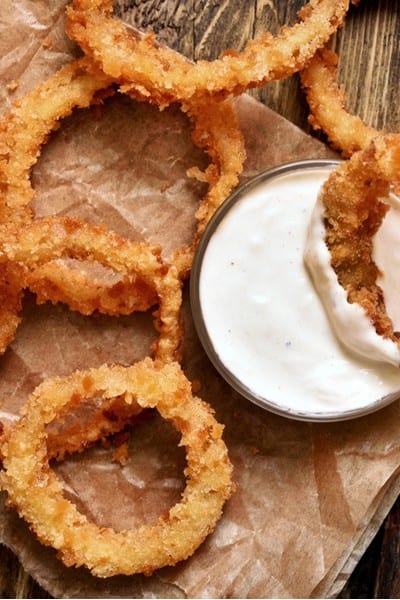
pixel 309 497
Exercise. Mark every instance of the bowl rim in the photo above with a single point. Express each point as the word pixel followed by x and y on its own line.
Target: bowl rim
pixel 201 328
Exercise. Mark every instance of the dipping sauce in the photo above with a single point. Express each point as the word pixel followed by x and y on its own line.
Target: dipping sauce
pixel 386 254
pixel 259 316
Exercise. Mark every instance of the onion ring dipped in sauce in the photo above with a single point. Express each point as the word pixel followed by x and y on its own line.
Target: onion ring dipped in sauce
pixel 37 494
pixel 353 207
pixel 276 349
pixel 346 132
pixel 152 69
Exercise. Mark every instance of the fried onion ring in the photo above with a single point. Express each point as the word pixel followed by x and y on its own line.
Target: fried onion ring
pixel 50 238
pixel 37 494
pixel 44 240
pixel 346 132
pixel 21 134
pixel 354 210
pixel 159 72
pixel 31 120
pixel 27 127
pixel 57 282
pixel 217 132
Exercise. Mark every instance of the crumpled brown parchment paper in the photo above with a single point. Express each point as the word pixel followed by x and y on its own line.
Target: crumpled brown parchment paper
pixel 309 497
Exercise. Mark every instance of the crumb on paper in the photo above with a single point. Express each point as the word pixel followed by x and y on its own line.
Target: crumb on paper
pixel 196 173
pixel 166 186
pixel 13 85
pixel 47 43
pixel 121 454
pixel 196 386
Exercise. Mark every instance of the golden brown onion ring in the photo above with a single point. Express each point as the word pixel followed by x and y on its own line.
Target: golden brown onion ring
pixel 22 132
pixel 37 494
pixel 354 210
pixel 27 127
pixel 215 130
pixel 57 282
pixel 46 239
pixel 166 77
pixel 346 132
pixel 43 240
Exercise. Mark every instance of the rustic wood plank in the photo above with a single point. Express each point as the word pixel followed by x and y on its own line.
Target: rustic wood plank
pixel 14 582
pixel 387 583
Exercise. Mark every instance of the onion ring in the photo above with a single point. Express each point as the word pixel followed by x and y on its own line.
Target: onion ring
pixel 354 210
pixel 22 134
pixel 44 240
pixel 167 77
pixel 28 126
pixel 217 132
pixel 346 132
pixel 50 238
pixel 57 282
pixel 38 495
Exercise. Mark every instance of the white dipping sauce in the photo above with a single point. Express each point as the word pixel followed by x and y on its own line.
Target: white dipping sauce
pixel 386 254
pixel 261 319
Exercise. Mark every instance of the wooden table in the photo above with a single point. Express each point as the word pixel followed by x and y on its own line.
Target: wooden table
pixel 370 71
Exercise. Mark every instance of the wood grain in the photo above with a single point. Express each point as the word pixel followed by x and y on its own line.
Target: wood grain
pixel 369 70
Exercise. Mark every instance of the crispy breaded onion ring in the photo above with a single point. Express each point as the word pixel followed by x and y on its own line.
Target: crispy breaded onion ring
pixel 327 102
pixel 353 211
pixel 57 282
pixel 215 130
pixel 22 132
pixel 37 494
pixel 28 126
pixel 37 244
pixel 51 238
pixel 166 77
